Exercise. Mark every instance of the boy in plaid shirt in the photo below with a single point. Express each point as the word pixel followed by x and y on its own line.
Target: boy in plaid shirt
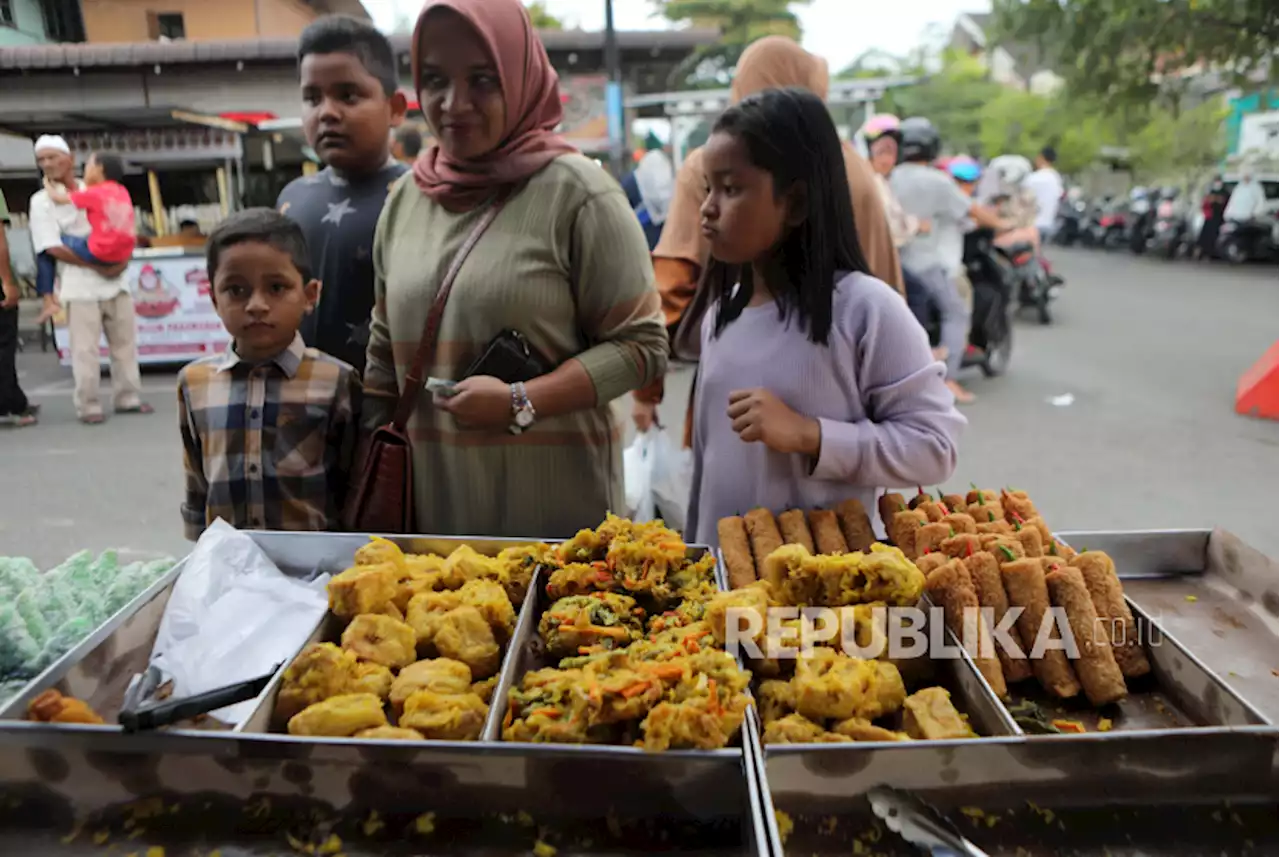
pixel 268 428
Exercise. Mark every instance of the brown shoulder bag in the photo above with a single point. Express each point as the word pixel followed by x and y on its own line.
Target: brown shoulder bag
pixel 381 499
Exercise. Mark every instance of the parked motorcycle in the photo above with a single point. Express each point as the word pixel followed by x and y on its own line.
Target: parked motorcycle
pixel 1169 235
pixel 991 331
pixel 1140 220
pixel 1071 223
pixel 1241 241
pixel 1108 229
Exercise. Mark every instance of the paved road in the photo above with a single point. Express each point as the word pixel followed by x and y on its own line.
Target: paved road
pixel 1148 352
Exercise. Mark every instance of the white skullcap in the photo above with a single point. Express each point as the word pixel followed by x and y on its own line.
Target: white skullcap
pixel 53 141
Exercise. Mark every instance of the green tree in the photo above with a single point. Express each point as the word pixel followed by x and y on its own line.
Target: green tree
pixel 952 98
pixel 740 22
pixel 1130 51
pixel 1172 147
pixel 542 19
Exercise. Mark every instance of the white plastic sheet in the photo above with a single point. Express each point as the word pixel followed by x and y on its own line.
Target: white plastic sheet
pixel 232 616
pixel 658 477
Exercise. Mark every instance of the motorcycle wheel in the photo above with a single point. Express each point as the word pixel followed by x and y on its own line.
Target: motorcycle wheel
pixel 999 351
pixel 1234 253
pixel 1042 310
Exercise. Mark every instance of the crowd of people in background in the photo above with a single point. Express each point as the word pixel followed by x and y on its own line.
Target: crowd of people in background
pixel 514 274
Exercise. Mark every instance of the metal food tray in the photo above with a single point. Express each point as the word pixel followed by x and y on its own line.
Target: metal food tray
pixel 1181 693
pixel 99 667
pixel 330 627
pixel 1212 593
pixel 1102 794
pixel 247 794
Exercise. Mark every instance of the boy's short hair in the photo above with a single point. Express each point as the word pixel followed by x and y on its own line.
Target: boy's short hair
pixel 112 166
pixel 410 140
pixel 342 34
pixel 1049 153
pixel 263 225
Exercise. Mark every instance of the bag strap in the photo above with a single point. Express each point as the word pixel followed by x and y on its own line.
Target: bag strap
pixel 413 379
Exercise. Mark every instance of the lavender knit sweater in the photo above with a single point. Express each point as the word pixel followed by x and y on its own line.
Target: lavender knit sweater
pixel 887 419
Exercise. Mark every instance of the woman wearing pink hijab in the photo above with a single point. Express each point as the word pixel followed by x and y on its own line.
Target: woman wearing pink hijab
pixel 564 264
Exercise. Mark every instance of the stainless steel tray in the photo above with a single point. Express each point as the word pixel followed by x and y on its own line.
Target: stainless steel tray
pixel 245 794
pixel 330 629
pixel 99 667
pixel 1113 794
pixel 1212 593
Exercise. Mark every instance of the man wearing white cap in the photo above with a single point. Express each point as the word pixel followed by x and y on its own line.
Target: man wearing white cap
pixel 97 298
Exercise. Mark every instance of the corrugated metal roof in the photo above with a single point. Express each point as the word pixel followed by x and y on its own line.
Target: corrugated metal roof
pixel 59 56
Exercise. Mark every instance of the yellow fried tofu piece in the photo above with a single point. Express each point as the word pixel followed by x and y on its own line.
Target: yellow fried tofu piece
pixel 320 671
pixel 339 716
pixel 364 589
pixel 379 551
pixel 390 733
pixel 833 685
pixel 371 678
pixel 465 564
pixel 465 636
pixel 381 639
pixel 929 715
pixel 741 602
pixel 860 729
pixel 775 699
pixel 440 675
pixel 445 717
pixel 491 600
pixel 796 729
pixel 425 613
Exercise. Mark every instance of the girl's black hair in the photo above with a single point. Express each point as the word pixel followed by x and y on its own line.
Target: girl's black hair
pixel 112 166
pixel 789 134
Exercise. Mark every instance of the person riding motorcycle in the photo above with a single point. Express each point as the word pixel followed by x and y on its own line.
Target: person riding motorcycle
pixel 880 138
pixel 1006 190
pixel 933 261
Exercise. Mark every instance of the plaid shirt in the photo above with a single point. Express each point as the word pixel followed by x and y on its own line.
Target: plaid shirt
pixel 267 446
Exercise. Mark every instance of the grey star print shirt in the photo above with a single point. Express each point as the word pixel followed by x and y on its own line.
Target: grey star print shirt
pixel 338 217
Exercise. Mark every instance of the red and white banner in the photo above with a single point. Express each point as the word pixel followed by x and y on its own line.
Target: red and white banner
pixel 176 319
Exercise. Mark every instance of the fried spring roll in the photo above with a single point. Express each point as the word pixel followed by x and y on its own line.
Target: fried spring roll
pixel 1037 523
pixel 855 524
pixel 935 511
pixel 1032 543
pixel 1062 550
pixel 1025 586
pixel 1000 528
pixel 1099 574
pixel 1095 665
pixel 961 545
pixel 951 588
pixel 889 505
pixel 826 532
pixel 929 562
pixel 795 531
pixel 981 495
pixel 1003 548
pixel 961 522
pixel 919 500
pixel 984 571
pixel 1018 506
pixel 902 530
pixel 930 537
pixel 954 502
pixel 735 547
pixel 765 538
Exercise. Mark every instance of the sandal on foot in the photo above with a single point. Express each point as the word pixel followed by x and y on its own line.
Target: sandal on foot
pixel 142 408
pixel 93 420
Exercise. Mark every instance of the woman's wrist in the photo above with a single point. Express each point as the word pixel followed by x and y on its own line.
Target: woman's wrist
pixel 811 438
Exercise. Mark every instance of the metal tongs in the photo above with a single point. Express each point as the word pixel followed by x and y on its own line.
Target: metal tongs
pixel 919 823
pixel 135 716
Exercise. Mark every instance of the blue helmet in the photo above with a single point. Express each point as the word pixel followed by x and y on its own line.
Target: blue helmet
pixel 964 169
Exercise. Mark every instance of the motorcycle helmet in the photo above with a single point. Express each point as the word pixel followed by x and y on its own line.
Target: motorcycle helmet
pixel 964 169
pixel 920 141
pixel 880 125
pixel 1011 170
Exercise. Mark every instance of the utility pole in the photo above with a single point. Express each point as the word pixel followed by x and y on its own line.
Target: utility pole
pixel 613 96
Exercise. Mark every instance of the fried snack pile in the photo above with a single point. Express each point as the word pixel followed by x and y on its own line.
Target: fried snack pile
pixel 421 649
pixel 746 542
pixel 1011 558
pixel 638 662
pixel 52 707
pixel 882 575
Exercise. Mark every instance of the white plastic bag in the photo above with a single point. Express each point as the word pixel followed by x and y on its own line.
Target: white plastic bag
pixel 232 616
pixel 672 474
pixel 657 477
pixel 637 478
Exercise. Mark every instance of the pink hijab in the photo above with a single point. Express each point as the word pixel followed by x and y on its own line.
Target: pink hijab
pixel 531 90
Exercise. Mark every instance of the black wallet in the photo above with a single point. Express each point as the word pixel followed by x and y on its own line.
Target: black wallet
pixel 511 358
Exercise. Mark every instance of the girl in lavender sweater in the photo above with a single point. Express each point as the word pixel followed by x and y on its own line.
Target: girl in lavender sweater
pixel 816 383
